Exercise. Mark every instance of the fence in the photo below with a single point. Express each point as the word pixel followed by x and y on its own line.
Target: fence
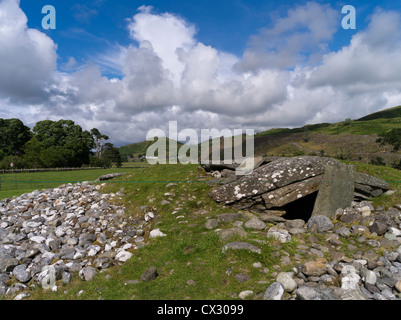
pixel 46 169
pixel 27 180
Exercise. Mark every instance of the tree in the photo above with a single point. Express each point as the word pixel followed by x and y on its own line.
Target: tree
pixel 99 139
pixel 112 155
pixel 58 144
pixel 392 137
pixel 13 136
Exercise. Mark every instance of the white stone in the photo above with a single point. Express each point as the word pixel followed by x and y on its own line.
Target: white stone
pixel 94 249
pixel 123 256
pixel 60 231
pixel 285 278
pixel 395 231
pixel 127 246
pixel 245 294
pixel 21 296
pixel 31 224
pixel 350 279
pixel 365 211
pixel 48 255
pixel 156 233
pixel 281 235
pixel 78 255
pixel 274 292
pixel 370 277
pixel 37 239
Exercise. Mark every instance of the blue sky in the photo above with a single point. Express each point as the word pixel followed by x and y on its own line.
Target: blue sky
pixel 129 66
pixel 87 26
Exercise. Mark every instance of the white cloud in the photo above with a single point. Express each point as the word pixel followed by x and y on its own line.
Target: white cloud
pixel 304 30
pixel 167 33
pixel 27 56
pixel 276 83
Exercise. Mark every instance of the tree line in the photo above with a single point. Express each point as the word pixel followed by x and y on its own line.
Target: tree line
pixel 54 144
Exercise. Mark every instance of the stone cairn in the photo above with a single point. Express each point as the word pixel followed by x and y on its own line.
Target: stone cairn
pixel 46 236
pixel 339 212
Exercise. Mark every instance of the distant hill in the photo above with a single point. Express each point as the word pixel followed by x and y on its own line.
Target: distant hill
pixel 348 139
pixel 136 150
pixel 384 114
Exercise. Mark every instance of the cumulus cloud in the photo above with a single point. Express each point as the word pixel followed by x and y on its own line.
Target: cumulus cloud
pixel 27 56
pixel 367 72
pixel 286 77
pixel 153 28
pixel 290 41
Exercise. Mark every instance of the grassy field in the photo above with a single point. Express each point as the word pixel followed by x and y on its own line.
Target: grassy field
pixel 14 184
pixel 189 260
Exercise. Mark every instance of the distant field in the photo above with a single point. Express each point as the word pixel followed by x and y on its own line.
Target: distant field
pixel 14 184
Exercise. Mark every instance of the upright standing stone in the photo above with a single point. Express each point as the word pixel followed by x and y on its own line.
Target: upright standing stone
pixel 336 189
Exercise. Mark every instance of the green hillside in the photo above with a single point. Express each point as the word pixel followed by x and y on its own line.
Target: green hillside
pixel 349 139
pixel 373 124
pixel 137 149
pixel 384 114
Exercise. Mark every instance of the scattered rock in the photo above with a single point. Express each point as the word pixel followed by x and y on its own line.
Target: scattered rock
pixel 280 234
pixel 305 292
pixel 245 294
pixel 211 224
pixel 155 233
pixel 229 217
pixel 274 292
pixel 87 273
pixel 226 234
pixel 286 279
pixel 314 268
pixel 321 223
pixel 109 176
pixel 242 277
pixel 123 256
pixel 21 274
pixel 149 274
pixel 256 224
pixel 241 246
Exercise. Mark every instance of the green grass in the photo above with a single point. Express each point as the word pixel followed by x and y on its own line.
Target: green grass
pixel 15 184
pixel 391 175
pixel 189 251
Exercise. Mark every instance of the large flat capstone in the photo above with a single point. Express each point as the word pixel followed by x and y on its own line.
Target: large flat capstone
pixel 281 182
pixel 271 176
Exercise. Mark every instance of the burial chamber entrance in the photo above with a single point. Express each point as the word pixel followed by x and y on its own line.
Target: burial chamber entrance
pixel 299 209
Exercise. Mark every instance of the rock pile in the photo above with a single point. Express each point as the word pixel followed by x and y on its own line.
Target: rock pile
pixel 368 268
pixel 47 235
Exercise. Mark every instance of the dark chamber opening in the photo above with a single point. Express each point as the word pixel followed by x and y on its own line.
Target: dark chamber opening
pixel 300 209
